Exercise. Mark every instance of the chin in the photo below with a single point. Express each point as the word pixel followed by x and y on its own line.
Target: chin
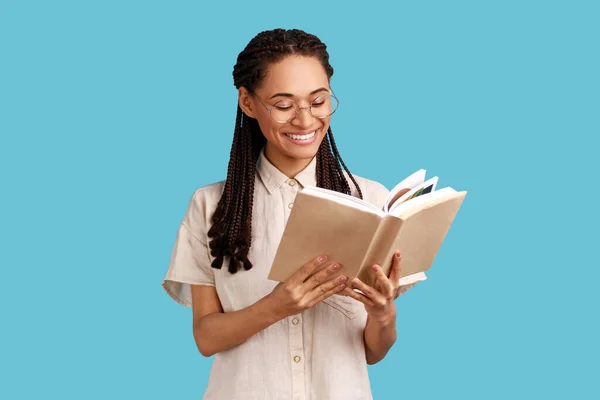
pixel 298 148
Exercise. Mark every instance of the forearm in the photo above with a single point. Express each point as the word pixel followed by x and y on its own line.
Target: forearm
pixel 221 331
pixel 379 336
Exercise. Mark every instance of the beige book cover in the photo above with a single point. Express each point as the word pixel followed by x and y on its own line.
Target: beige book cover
pixel 415 219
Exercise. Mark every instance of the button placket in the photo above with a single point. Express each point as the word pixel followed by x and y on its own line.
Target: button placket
pixel 295 322
pixel 297 356
pixel 289 195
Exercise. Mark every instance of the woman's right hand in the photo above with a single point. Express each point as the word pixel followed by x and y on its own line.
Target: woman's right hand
pixel 305 288
pixel 215 330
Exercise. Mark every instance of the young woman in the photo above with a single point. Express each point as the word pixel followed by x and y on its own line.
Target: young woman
pixel 312 336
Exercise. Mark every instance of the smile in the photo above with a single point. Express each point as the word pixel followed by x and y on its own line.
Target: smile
pixel 307 136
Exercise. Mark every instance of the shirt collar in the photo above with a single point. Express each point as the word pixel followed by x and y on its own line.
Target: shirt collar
pixel 273 178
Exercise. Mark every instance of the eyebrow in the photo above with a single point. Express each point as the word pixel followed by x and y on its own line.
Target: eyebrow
pixel 291 95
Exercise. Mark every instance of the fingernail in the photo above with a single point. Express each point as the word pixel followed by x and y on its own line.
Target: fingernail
pixel 355 282
pixel 322 258
pixel 375 267
pixel 397 254
pixel 335 267
pixel 341 279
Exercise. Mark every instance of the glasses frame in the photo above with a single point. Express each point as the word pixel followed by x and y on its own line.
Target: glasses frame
pixel 309 108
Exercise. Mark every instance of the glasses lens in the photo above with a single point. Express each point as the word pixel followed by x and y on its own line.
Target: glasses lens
pixel 323 106
pixel 284 110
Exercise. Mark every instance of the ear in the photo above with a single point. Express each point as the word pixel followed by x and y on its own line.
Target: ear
pixel 246 102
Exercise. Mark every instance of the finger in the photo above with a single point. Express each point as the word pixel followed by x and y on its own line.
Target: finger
pixel 320 277
pixel 395 270
pixel 369 291
pixel 327 286
pixel 376 281
pixel 328 293
pixel 384 285
pixel 307 269
pixel 374 277
pixel 358 296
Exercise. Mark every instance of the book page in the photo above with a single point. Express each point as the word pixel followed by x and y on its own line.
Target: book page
pixel 342 199
pixel 400 189
pixel 419 190
pixel 418 201
pixel 425 220
pixel 412 278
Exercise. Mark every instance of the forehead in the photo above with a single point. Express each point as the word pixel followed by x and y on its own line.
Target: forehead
pixel 297 75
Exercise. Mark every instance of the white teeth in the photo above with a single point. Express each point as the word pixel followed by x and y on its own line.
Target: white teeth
pixel 301 137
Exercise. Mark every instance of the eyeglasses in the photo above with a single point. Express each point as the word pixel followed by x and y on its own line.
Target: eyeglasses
pixel 286 110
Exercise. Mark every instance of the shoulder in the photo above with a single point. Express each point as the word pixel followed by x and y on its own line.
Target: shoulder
pixel 201 206
pixel 373 191
pixel 208 195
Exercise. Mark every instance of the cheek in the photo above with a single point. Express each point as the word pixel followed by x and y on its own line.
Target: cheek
pixel 266 124
pixel 325 124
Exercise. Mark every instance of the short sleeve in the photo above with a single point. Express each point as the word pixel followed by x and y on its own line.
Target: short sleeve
pixel 190 257
pixel 379 194
pixel 373 192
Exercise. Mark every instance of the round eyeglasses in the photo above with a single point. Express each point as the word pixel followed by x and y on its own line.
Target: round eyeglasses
pixel 284 111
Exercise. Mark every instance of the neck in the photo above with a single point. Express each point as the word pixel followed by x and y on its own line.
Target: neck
pixel 289 166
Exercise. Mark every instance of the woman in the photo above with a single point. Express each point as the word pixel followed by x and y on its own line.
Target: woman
pixel 312 336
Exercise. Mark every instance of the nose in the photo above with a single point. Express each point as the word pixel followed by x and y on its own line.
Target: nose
pixel 303 118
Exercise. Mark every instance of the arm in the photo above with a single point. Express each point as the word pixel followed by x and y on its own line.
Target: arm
pixel 215 330
pixel 379 337
pixel 380 330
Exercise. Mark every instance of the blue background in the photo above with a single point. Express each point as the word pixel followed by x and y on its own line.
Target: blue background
pixel 113 112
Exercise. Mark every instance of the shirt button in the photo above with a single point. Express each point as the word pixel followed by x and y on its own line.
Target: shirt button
pixel 292 182
pixel 290 205
pixel 297 359
pixel 295 321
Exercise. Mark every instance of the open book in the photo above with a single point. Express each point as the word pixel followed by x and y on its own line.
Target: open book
pixel 415 219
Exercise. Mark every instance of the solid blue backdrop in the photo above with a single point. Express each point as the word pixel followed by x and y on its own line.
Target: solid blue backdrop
pixel 112 113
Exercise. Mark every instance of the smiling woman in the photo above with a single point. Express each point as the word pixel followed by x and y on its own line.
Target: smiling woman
pixel 293 137
pixel 312 336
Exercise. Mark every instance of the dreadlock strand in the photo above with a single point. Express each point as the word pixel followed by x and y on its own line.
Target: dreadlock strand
pixel 338 157
pixel 238 237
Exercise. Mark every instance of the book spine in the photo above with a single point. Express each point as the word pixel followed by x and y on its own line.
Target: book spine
pixel 381 249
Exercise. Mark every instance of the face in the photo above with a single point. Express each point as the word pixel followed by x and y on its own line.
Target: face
pixel 301 79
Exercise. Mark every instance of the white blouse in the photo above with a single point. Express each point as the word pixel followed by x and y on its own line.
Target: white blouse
pixel 318 354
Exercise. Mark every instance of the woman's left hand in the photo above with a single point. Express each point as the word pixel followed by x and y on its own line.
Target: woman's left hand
pixel 379 298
